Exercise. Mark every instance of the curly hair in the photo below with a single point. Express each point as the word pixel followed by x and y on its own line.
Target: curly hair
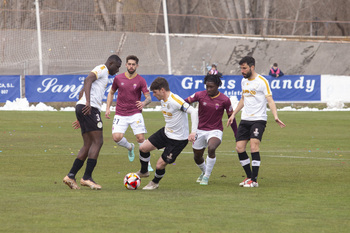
pixel 215 78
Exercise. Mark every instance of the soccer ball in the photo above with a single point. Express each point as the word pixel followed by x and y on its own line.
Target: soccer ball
pixel 132 181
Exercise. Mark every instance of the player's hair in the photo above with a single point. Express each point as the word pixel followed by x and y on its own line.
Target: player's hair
pixel 249 60
pixel 132 57
pixel 159 83
pixel 215 78
pixel 115 58
pixel 275 64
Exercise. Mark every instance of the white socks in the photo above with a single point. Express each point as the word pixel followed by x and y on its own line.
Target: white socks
pixel 210 165
pixel 202 167
pixel 124 143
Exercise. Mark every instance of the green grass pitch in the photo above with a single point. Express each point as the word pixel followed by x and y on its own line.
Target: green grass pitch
pixel 304 180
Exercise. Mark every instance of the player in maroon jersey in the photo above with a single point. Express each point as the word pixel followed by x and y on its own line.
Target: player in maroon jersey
pixel 128 109
pixel 212 104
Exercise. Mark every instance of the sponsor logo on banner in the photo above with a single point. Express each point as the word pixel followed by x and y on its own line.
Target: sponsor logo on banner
pixel 10 87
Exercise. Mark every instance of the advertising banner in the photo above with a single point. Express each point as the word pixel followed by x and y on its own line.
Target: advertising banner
pixel 288 88
pixel 53 88
pixel 293 88
pixel 63 88
pixel 10 87
pixel 185 85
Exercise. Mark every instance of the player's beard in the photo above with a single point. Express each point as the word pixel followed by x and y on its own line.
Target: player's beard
pixel 131 71
pixel 248 75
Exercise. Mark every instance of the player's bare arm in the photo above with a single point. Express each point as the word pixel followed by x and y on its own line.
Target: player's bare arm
pixel 140 105
pixel 233 124
pixel 273 109
pixel 81 92
pixel 87 88
pixel 194 122
pixel 109 103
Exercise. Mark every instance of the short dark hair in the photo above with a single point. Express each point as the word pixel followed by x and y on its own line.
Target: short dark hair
pixel 213 65
pixel 115 58
pixel 215 78
pixel 275 64
pixel 249 60
pixel 132 57
pixel 159 83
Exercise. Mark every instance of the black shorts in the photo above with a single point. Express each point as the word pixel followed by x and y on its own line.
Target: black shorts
pixel 92 122
pixel 250 129
pixel 172 148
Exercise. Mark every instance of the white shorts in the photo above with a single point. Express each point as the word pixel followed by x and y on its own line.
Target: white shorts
pixel 203 137
pixel 121 124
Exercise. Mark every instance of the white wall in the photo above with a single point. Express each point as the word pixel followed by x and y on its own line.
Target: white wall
pixel 335 88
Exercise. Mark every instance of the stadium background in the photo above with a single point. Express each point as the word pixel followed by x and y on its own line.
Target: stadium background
pixel 80 34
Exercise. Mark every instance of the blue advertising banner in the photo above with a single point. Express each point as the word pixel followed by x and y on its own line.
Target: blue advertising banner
pixel 53 88
pixel 185 85
pixel 63 88
pixel 10 87
pixel 287 88
pixel 290 88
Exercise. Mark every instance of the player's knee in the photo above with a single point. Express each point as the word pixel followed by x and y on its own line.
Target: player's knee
pixel 211 150
pixel 240 149
pixel 142 148
pixel 198 159
pixel 117 138
pixel 98 143
pixel 140 140
pixel 254 148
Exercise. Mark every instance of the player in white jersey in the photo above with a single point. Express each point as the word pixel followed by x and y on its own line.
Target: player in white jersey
pixel 174 136
pixel 255 94
pixel 89 120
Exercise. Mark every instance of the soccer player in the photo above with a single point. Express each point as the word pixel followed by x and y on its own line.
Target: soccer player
pixel 129 107
pixel 212 104
pixel 174 136
pixel 88 115
pixel 255 94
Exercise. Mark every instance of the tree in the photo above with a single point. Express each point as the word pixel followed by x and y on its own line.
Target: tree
pixel 267 12
pixel 119 19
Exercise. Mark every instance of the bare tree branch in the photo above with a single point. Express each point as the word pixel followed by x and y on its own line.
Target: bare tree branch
pixel 98 18
pixel 105 15
pixel 249 14
pixel 210 13
pixel 240 14
pixel 297 17
pixel 119 19
pixel 265 24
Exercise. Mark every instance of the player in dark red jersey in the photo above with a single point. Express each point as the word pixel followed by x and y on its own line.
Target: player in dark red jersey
pixel 212 104
pixel 128 110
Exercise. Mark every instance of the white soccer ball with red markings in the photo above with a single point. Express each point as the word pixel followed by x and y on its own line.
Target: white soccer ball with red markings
pixel 132 181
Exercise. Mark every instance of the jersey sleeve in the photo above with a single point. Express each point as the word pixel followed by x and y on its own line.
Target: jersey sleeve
pixel 100 71
pixel 179 103
pixel 193 98
pixel 265 87
pixel 144 87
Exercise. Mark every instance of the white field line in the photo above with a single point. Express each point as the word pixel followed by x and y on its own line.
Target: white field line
pixel 278 156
